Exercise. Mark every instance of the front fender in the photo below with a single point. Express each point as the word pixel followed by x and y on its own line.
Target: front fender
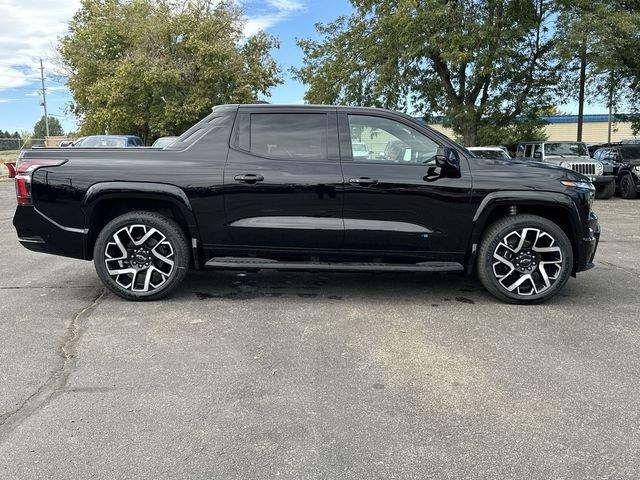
pixel 524 198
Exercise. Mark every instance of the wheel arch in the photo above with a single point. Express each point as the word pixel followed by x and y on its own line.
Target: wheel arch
pixel 107 200
pixel 554 206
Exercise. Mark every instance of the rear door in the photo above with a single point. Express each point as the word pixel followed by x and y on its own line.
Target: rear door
pixel 396 198
pixel 283 179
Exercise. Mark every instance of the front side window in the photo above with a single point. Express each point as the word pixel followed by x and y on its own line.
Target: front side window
pixel 528 151
pixel 377 139
pixel 289 136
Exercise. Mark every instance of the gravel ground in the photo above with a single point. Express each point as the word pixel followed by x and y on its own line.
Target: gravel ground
pixel 319 376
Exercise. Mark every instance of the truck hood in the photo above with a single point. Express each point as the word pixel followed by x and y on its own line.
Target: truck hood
pixel 524 174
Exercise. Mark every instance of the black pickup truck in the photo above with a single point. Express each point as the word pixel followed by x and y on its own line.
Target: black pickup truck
pixel 293 188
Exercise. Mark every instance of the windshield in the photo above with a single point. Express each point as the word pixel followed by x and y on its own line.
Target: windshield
pixel 359 147
pixel 104 142
pixel 566 149
pixel 489 153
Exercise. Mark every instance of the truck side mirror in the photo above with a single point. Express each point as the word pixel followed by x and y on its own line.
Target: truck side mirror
pixel 448 160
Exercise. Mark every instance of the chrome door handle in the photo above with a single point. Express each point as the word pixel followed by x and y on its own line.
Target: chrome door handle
pixel 363 181
pixel 249 178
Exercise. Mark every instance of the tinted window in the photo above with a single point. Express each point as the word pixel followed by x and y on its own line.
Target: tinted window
pixel 630 153
pixel 529 151
pixel 289 136
pixel 377 139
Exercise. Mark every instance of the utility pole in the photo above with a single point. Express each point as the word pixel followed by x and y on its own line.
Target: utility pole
pixel 583 81
pixel 610 119
pixel 44 99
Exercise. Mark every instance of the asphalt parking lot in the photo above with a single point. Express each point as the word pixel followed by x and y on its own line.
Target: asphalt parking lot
pixel 319 376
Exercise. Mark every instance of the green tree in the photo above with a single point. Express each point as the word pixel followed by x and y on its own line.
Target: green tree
pixel 155 67
pixel 40 128
pixel 482 64
pixel 592 41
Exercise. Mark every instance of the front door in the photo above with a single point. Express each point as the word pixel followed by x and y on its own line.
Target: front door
pixel 396 198
pixel 283 180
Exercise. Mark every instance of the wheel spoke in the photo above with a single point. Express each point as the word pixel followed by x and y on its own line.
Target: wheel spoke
pixel 139 258
pixel 527 261
pixel 518 282
pixel 161 257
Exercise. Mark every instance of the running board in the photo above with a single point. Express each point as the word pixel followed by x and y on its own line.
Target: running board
pixel 243 263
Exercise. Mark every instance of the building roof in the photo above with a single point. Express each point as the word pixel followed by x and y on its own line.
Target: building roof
pixel 594 118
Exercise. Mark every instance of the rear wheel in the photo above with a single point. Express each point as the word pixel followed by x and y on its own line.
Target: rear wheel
pixel 627 188
pixel 607 191
pixel 524 259
pixel 141 255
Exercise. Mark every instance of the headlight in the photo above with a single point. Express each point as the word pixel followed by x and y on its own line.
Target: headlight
pixel 574 184
pixel 566 165
pixel 599 168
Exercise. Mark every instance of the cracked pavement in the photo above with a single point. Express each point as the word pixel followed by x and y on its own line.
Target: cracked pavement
pixel 319 375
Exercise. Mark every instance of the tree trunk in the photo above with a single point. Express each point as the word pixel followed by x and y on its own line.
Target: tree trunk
pixel 470 135
pixel 583 81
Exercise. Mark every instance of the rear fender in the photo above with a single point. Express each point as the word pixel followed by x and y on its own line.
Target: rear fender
pixel 105 191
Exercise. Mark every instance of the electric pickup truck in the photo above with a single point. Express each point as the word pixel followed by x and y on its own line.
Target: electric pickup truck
pixel 263 186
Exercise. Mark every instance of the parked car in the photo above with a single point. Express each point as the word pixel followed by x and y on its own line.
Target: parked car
pixel 254 187
pixel 573 156
pixel 78 142
pixel 489 152
pixel 163 142
pixel 626 159
pixel 110 141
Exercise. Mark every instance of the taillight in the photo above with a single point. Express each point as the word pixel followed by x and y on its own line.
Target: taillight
pixel 24 172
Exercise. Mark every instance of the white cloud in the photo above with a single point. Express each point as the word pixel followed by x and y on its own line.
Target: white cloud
pixel 286 5
pixel 275 12
pixel 28 31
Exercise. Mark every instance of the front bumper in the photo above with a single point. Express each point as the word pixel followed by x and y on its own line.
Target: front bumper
pixel 589 244
pixel 40 233
pixel 601 180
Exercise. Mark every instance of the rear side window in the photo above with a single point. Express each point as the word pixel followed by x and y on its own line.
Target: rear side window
pixel 289 136
pixel 631 153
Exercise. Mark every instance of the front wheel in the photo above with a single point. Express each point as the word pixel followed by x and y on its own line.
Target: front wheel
pixel 141 255
pixel 627 188
pixel 524 259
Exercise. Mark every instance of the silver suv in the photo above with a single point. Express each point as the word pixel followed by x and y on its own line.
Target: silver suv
pixel 573 156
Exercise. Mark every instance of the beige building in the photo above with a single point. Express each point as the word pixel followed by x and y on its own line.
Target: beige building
pixel 565 127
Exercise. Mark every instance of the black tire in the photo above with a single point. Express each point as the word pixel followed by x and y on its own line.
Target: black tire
pixel 607 191
pixel 499 240
pixel 157 264
pixel 627 188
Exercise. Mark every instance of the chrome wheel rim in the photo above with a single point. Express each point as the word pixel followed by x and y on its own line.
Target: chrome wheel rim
pixel 527 261
pixel 139 258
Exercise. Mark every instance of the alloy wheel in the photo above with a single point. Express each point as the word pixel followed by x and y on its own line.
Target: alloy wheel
pixel 139 258
pixel 527 261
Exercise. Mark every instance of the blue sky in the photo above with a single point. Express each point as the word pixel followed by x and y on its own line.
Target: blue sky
pixel 29 29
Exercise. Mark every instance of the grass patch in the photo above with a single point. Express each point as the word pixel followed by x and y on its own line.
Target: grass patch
pixel 8 155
